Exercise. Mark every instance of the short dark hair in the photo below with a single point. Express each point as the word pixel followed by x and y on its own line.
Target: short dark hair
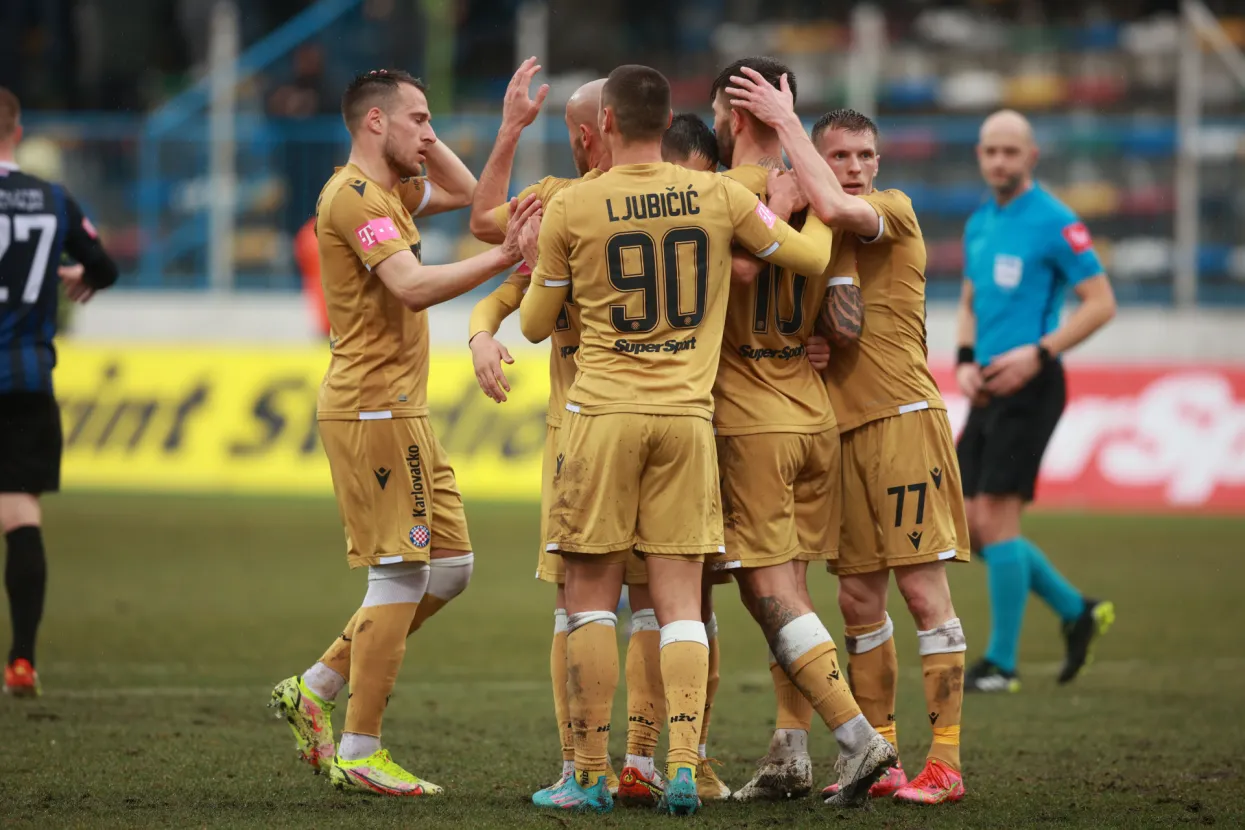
pixel 10 113
pixel 771 69
pixel 640 99
pixel 844 119
pixel 688 136
pixel 374 89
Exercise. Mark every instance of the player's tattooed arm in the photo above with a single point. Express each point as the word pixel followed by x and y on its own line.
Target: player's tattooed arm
pixel 843 315
pixel 519 110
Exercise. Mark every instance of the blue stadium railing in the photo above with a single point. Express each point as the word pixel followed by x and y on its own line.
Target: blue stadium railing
pixel 147 189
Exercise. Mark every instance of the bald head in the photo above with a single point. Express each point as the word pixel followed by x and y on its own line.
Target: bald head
pixel 582 111
pixel 1009 125
pixel 1007 154
pixel 585 103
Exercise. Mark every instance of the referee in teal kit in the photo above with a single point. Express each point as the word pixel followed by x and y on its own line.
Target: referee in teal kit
pixel 1022 249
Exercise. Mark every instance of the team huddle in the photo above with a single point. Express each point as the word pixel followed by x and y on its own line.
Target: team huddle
pixel 739 388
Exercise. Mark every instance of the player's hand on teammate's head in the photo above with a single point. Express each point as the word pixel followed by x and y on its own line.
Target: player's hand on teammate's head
pixel 487 355
pixel 785 194
pixel 518 107
pixel 750 91
pixel 817 348
pixel 1009 372
pixel 76 288
pixel 521 213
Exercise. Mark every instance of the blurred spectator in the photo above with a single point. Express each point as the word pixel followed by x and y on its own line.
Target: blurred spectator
pixel 307 93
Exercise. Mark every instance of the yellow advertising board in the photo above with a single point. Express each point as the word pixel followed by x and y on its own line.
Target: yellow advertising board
pixel 233 419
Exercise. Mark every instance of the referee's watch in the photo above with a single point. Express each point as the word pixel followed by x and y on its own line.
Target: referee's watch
pixel 1044 355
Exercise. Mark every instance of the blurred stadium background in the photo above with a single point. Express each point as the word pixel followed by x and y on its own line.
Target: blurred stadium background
pixel 197 133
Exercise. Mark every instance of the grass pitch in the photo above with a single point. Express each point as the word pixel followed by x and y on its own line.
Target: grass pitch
pixel 170 618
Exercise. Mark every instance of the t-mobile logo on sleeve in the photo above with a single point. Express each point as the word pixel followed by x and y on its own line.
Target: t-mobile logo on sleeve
pixel 375 231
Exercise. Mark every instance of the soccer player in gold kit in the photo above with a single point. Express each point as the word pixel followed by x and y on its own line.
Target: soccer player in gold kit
pixel 778 451
pixel 490 217
pixel 646 251
pixel 903 503
pixel 394 485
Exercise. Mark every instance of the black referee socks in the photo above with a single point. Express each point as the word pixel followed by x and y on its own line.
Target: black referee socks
pixel 26 579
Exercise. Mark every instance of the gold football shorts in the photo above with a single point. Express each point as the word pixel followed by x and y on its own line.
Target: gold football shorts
pixel 780 497
pixel 901 494
pixel 630 481
pixel 550 567
pixel 395 489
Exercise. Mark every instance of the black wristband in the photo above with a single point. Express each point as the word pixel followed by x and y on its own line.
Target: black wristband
pixel 1044 355
pixel 966 354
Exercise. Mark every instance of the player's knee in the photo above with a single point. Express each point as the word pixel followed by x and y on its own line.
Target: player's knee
pixel 402 582
pixel 926 593
pixel 449 577
pixel 860 601
pixel 19 510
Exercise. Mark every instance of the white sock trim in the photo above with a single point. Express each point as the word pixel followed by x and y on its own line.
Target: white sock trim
pixel 354 746
pixel 324 681
pixel 711 627
pixel 947 638
pixel 398 583
pixel 773 660
pixel 449 577
pixel 574 622
pixel 866 643
pixel 684 631
pixel 799 637
pixel 644 620
pixel 559 621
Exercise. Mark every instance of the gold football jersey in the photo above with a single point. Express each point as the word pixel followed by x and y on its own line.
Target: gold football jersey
pixel 380 348
pixel 564 342
pixel 646 251
pixel 887 370
pixel 765 382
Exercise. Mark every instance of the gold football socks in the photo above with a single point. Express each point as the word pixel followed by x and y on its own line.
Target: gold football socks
pixel 646 702
pixel 592 676
pixel 942 665
pixel 684 672
pixel 873 669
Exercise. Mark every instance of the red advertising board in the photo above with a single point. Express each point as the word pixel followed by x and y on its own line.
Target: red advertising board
pixel 1141 438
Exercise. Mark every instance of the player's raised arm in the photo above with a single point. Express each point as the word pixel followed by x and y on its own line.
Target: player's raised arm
pixel 826 196
pixel 448 186
pixel 772 239
pixel 365 224
pixel 551 281
pixel 518 111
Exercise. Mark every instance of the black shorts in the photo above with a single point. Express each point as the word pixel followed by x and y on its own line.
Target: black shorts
pixel 30 443
pixel 1001 447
